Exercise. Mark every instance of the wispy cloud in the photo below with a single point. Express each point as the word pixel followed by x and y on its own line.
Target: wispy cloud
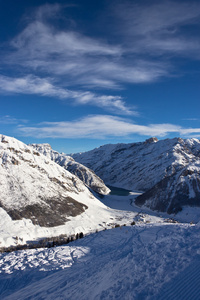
pixel 9 120
pixel 41 40
pixel 44 87
pixel 160 27
pixel 77 59
pixel 157 16
pixel 69 64
pixel 190 131
pixel 191 119
pixel 102 126
pixel 141 34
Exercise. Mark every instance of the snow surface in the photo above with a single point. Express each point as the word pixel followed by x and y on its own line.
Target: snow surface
pixel 157 258
pixel 146 261
pixel 96 217
pixel 152 260
pixel 139 166
pixel 26 177
pixel 68 163
pixel 167 171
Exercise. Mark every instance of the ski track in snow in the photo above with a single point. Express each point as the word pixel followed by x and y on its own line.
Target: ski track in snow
pixel 184 285
pixel 140 262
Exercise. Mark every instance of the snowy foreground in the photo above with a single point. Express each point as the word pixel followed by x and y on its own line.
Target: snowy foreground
pixel 156 261
pixel 150 260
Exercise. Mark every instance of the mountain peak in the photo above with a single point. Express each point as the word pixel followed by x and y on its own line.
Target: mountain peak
pixel 43 145
pixel 151 140
pixel 86 175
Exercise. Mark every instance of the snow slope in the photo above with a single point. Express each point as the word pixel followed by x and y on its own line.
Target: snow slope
pixel 40 199
pixel 168 171
pixel 83 173
pixel 139 262
pixel 151 260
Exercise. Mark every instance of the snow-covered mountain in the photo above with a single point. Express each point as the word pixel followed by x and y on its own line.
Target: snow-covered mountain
pixel 167 171
pixel 83 173
pixel 32 186
pixel 41 199
pixel 157 258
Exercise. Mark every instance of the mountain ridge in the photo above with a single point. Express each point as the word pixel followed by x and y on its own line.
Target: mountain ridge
pixel 42 203
pixel 166 171
pixel 86 175
pixel 36 185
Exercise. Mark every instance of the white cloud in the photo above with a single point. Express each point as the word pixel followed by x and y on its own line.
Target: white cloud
pixel 42 40
pixel 143 34
pixel 157 16
pixel 31 85
pixel 10 120
pixel 191 119
pixel 160 27
pixel 66 63
pixel 101 126
pixel 77 59
pixel 44 87
pixel 189 131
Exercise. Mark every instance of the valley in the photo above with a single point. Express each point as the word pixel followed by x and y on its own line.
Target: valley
pixel 126 250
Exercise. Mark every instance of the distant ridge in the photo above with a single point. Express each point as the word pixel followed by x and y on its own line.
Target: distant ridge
pixel 167 171
pixel 68 163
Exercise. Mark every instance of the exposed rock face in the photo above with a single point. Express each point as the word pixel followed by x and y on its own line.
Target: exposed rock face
pixel 52 212
pixel 36 188
pixel 173 192
pixel 168 171
pixel 151 140
pixel 83 173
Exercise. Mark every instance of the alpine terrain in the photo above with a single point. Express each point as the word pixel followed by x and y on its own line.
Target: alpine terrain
pixel 167 172
pixel 86 175
pixel 40 199
pixel 146 254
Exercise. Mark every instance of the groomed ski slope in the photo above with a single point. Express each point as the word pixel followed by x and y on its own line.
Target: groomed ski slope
pixel 145 261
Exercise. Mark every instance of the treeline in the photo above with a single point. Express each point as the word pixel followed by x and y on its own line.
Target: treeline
pixel 51 241
pixel 45 243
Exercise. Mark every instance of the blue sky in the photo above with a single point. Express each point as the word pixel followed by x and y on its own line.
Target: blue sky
pixel 80 74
